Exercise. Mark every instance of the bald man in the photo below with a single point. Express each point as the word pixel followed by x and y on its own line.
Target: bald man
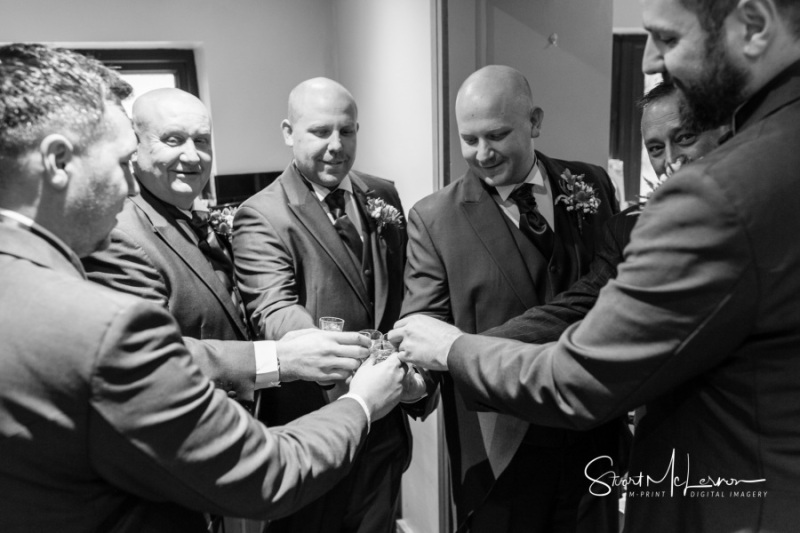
pixel 481 252
pixel 311 245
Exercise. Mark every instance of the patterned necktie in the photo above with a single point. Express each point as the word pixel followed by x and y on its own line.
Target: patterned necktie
pixel 344 226
pixel 531 221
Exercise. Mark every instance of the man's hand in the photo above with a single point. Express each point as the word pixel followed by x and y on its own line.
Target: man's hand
pixel 424 341
pixel 414 386
pixel 314 355
pixel 380 385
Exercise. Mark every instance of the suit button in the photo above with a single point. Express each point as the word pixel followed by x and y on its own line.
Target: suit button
pixel 367 272
pixel 553 268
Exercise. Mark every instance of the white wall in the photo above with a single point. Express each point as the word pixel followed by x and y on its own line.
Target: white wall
pixel 250 54
pixel 571 82
pixel 384 58
pixel 627 15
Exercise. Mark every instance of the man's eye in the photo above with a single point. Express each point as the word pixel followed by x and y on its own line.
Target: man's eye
pixel 202 141
pixel 173 140
pixel 498 136
pixel 469 141
pixel 666 40
pixel 655 151
pixel 321 133
pixel 686 139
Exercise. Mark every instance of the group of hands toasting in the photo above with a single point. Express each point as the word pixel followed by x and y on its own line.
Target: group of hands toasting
pixel 364 363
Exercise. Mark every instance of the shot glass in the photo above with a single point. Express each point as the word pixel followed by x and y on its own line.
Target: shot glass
pixel 381 349
pixel 372 334
pixel 331 323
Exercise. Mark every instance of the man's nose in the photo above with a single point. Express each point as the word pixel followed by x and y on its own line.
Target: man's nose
pixel 652 60
pixel 335 142
pixel 189 153
pixel 485 152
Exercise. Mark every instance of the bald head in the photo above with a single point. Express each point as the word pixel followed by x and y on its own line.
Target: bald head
pixel 321 129
pixel 152 106
pixel 497 123
pixel 319 93
pixel 496 85
pixel 174 156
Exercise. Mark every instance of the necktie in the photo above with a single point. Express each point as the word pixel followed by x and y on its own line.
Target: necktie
pixel 213 250
pixel 344 226
pixel 531 221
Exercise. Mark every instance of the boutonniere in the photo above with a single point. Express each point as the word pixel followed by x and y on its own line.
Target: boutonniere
pixel 221 221
pixel 383 213
pixel 577 196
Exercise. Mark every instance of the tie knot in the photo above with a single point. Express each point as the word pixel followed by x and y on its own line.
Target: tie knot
pixel 335 201
pixel 199 222
pixel 523 197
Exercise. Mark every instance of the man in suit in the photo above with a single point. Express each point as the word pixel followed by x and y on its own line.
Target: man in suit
pixel 106 422
pixel 671 140
pixel 164 250
pixel 701 323
pixel 483 250
pixel 323 240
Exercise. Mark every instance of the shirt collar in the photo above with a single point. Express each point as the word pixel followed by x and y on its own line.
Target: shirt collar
pixel 321 192
pixel 534 178
pixel 28 224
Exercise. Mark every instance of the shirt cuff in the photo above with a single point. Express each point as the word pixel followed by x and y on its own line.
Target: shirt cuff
pixel 362 403
pixel 267 368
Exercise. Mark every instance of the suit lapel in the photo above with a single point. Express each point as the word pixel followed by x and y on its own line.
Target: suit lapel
pixel 569 251
pixel 305 205
pixel 487 221
pixel 166 228
pixel 378 247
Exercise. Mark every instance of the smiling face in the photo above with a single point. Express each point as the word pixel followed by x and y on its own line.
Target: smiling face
pixel 322 130
pixel 174 156
pixel 496 126
pixel 668 140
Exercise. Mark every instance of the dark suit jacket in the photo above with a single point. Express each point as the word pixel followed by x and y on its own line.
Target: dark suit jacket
pixel 151 256
pixel 702 324
pixel 469 266
pixel 546 323
pixel 106 423
pixel 293 268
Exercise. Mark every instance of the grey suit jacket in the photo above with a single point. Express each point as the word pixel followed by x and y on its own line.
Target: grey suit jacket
pixel 468 266
pixel 702 324
pixel 151 256
pixel 106 423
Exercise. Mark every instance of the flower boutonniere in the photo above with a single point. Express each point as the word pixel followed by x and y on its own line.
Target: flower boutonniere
pixel 384 214
pixel 221 221
pixel 577 196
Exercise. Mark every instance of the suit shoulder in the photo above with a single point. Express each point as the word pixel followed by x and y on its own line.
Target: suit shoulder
pixel 268 195
pixel 442 200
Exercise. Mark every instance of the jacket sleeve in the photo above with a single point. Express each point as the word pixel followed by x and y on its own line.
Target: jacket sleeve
pixel 126 267
pixel 160 430
pixel 689 273
pixel 266 275
pixel 547 322
pixel 427 289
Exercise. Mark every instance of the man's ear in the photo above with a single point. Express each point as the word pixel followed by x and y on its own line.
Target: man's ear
pixel 286 127
pixel 537 116
pixel 57 153
pixel 759 20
